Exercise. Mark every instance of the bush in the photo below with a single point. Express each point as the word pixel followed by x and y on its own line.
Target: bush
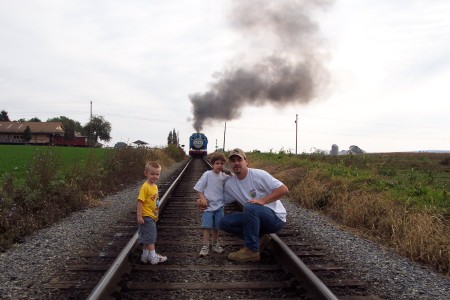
pixel 49 192
pixel 175 152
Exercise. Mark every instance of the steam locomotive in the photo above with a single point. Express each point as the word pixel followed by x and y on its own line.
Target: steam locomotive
pixel 198 143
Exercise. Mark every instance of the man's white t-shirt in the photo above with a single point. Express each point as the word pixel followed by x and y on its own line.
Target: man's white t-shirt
pixel 256 185
pixel 211 185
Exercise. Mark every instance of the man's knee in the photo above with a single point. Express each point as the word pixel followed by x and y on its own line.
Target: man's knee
pixel 250 208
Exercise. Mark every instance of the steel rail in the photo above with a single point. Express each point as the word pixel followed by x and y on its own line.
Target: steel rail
pixel 120 265
pixel 286 257
pixel 297 267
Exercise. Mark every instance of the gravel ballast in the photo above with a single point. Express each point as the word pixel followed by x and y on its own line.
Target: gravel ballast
pixel 27 267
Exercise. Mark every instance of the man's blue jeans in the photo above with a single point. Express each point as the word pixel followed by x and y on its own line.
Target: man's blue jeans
pixel 254 221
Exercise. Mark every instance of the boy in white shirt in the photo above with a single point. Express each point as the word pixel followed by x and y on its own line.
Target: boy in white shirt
pixel 210 190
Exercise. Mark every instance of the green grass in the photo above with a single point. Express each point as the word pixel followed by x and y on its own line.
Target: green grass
pixel 40 185
pixel 15 159
pixel 421 180
pixel 401 200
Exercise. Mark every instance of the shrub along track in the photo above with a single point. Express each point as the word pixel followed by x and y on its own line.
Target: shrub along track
pixel 279 274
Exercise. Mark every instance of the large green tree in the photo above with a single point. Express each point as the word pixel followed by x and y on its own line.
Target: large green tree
pixel 35 119
pixel 70 126
pixel 97 129
pixel 4 116
pixel 353 149
pixel 27 134
pixel 172 139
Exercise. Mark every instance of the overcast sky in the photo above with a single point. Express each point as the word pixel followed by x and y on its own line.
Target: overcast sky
pixel 372 73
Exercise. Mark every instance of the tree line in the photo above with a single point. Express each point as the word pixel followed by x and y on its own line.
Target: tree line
pixel 96 129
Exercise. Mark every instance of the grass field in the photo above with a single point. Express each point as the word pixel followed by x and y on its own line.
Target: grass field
pixel 15 158
pixel 418 179
pixel 421 180
pixel 41 185
pixel 401 200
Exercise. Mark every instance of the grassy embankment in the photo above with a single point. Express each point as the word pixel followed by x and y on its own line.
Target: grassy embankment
pixel 400 200
pixel 41 185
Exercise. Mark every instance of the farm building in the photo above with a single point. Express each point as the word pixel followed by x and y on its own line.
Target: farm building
pixel 41 133
pixel 77 141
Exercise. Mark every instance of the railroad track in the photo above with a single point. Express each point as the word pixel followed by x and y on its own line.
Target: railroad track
pixel 289 268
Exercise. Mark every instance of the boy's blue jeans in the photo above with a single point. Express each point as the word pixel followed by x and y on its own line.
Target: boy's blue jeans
pixel 254 221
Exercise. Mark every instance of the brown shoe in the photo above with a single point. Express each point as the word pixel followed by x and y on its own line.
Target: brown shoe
pixel 244 254
pixel 264 241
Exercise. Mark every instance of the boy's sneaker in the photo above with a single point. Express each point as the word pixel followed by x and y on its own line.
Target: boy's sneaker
pixel 205 250
pixel 216 248
pixel 144 259
pixel 154 260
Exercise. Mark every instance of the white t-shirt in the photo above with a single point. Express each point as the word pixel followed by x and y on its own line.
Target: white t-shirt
pixel 256 185
pixel 211 185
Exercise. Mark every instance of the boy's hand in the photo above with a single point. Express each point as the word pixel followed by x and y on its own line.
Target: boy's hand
pixel 228 172
pixel 202 204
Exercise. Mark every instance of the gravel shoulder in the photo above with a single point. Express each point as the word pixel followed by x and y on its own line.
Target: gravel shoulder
pixel 27 267
pixel 389 275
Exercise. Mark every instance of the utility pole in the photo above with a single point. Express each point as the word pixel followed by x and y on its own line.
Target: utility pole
pixel 90 128
pixel 224 133
pixel 296 129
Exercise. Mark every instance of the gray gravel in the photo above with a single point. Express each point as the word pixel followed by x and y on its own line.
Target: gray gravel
pixel 389 275
pixel 27 267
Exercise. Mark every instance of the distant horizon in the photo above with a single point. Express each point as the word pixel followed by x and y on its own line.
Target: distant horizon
pixel 435 151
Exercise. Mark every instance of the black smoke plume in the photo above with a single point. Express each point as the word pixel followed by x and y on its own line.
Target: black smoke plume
pixel 291 70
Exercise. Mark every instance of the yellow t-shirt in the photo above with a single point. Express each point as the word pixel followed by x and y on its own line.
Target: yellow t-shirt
pixel 148 194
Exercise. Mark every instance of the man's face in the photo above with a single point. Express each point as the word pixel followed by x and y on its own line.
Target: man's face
pixel 238 164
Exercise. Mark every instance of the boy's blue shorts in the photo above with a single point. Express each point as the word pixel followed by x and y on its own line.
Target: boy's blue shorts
pixel 211 219
pixel 147 231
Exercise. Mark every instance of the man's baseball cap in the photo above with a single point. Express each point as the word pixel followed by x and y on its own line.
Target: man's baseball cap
pixel 237 152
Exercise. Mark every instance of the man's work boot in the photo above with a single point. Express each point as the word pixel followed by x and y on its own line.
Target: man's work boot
pixel 264 241
pixel 243 255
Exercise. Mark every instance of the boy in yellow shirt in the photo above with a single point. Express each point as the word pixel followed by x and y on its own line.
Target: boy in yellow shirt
pixel 147 214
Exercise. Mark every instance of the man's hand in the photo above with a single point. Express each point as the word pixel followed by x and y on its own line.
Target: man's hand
pixel 256 201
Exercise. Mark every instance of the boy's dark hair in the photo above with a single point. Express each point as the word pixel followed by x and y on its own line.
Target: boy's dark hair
pixel 218 156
